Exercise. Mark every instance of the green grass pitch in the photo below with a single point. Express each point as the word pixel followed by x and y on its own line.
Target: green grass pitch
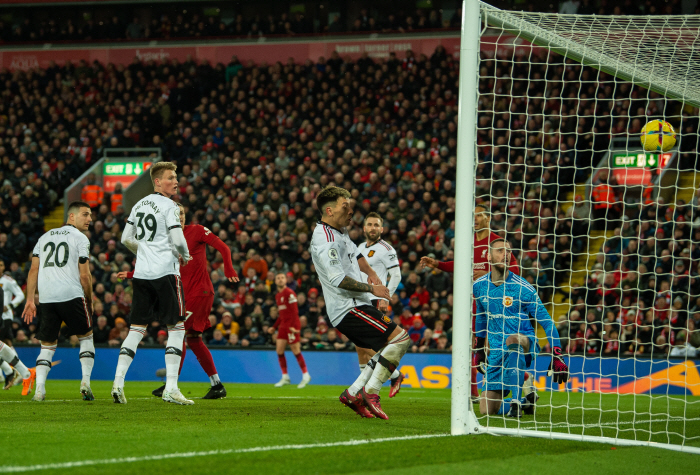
pixel 252 430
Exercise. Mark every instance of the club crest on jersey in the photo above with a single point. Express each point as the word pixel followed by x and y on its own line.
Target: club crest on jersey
pixel 371 253
pixel 386 319
pixel 483 253
pixel 507 301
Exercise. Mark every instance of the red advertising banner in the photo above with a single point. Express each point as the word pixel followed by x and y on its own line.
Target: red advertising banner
pixel 258 52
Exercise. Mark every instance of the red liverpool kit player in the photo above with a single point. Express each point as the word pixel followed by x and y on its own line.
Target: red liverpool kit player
pixel 199 298
pixel 482 237
pixel 288 328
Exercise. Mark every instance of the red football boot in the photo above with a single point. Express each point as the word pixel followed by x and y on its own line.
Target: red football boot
pixel 356 404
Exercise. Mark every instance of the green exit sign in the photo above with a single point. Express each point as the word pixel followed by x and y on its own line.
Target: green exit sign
pixel 125 168
pixel 637 160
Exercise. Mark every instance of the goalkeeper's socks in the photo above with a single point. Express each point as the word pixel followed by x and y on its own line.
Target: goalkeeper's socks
pixel 505 407
pixel 43 366
pixel 516 369
pixel 127 353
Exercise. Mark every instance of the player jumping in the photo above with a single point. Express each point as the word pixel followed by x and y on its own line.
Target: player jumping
pixel 338 263
pixel 288 328
pixel 199 298
pixel 61 268
pixel 381 257
pixel 505 303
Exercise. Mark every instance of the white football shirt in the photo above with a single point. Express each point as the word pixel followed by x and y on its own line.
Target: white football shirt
pixel 335 257
pixel 152 218
pixel 12 293
pixel 381 257
pixel 59 251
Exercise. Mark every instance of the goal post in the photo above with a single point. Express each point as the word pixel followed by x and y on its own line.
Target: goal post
pixel 550 112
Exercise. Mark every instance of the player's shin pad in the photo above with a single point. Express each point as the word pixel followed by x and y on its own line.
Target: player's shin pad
pixel 389 359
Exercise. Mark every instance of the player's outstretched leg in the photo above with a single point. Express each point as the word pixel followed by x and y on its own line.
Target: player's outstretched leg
pixel 200 350
pixel 87 361
pixel 126 356
pixel 7 353
pixel 173 356
pixel 389 359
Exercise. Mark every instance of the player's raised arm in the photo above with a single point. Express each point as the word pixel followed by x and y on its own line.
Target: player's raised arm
pixel 225 252
pixel 557 368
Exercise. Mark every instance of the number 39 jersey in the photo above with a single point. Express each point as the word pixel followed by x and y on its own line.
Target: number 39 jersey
pixel 59 252
pixel 152 218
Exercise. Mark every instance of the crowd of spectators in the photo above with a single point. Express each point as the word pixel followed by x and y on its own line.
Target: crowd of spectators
pixel 254 145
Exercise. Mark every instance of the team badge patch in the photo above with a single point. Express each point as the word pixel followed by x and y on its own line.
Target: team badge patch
pixel 371 253
pixel 333 254
pixel 507 301
pixel 386 319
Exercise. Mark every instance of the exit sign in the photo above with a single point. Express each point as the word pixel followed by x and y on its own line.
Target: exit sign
pixel 640 160
pixel 126 168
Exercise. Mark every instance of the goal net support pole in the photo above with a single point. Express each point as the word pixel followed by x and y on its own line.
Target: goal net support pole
pixel 463 418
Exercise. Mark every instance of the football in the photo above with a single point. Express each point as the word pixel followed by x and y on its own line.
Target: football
pixel 658 136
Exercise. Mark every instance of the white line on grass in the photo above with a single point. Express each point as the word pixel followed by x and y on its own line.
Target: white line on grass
pixel 176 455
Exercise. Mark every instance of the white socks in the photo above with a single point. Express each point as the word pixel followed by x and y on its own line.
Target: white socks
pixel 388 363
pixel 395 374
pixel 214 379
pixel 8 354
pixel 87 357
pixel 173 355
pixel 5 368
pixel 127 353
pixel 364 376
pixel 43 366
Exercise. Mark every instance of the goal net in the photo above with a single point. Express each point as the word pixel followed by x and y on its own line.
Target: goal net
pixel 608 234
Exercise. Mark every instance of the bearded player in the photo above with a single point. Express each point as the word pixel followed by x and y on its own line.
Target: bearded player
pixel 288 328
pixel 199 298
pixel 381 257
pixel 482 237
pixel 506 305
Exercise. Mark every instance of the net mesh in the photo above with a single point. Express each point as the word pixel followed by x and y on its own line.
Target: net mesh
pixel 608 234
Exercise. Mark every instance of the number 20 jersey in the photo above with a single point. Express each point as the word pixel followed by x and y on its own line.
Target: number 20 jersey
pixel 152 218
pixel 59 251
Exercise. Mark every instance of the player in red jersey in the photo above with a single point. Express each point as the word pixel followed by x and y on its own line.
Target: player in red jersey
pixel 199 298
pixel 288 328
pixel 482 237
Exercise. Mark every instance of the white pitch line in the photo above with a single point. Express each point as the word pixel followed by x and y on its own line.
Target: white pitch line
pixel 176 455
pixel 591 426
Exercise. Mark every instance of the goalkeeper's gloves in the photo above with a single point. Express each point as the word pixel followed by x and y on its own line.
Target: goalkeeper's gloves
pixel 480 355
pixel 557 368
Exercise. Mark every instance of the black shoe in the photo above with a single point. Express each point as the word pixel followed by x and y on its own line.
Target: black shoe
pixel 159 392
pixel 515 410
pixel 529 407
pixel 216 392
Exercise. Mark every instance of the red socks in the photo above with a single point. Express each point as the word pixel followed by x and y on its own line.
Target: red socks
pixel 302 363
pixel 202 353
pixel 283 363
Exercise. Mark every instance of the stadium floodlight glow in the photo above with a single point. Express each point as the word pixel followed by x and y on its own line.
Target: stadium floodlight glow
pixel 552 78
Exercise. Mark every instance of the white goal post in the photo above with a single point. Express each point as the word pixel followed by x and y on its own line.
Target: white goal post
pixel 655 62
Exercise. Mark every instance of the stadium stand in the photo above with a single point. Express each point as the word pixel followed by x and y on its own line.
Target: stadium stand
pixel 254 145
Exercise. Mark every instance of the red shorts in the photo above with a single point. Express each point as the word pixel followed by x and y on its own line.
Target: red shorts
pixel 285 333
pixel 197 312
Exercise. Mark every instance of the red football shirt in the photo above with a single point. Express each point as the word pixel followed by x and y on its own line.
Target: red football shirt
pixel 288 309
pixel 481 248
pixel 195 276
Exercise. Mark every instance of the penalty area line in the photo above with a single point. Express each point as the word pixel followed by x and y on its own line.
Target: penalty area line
pixel 177 455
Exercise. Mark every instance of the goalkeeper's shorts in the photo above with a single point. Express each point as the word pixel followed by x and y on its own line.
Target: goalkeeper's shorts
pixel 497 378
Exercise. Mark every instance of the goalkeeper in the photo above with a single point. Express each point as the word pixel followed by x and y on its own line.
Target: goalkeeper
pixel 505 306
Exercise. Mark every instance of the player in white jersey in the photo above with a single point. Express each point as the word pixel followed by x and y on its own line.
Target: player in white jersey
pixel 12 296
pixel 381 257
pixel 154 233
pixel 338 263
pixel 61 268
